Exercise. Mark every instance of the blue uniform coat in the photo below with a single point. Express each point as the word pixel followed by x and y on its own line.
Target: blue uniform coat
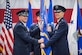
pixel 58 41
pixel 22 39
pixel 35 32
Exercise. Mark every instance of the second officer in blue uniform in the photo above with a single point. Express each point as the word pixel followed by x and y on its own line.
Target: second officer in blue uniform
pixel 58 40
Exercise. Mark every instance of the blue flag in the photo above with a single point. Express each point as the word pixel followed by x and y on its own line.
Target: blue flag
pixel 43 11
pixel 50 19
pixel 29 20
pixel 50 13
pixel 43 15
pixel 79 27
pixel 79 19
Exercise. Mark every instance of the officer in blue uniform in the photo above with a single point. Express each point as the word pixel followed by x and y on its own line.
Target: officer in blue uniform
pixel 35 32
pixel 58 41
pixel 22 37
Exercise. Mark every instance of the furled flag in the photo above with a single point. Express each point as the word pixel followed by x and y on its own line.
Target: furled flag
pixel 50 13
pixel 80 42
pixel 50 18
pixel 6 37
pixel 75 23
pixel 1 47
pixel 43 15
pixel 79 28
pixel 72 32
pixel 29 20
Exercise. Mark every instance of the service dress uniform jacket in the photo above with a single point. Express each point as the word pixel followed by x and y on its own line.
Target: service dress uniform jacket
pixel 58 41
pixel 22 39
pixel 35 33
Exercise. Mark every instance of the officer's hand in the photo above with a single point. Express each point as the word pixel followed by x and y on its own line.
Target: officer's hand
pixel 31 53
pixel 41 40
pixel 49 29
pixel 42 45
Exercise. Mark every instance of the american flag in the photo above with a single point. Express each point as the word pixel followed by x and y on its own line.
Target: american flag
pixel 6 38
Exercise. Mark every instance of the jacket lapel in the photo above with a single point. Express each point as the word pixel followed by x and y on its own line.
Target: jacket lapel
pixel 25 28
pixel 57 25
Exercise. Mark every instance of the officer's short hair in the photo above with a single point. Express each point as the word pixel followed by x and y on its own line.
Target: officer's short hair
pixel 38 13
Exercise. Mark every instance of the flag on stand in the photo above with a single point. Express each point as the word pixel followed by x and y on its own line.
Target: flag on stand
pixel 79 28
pixel 80 41
pixel 29 20
pixel 50 14
pixel 50 19
pixel 1 47
pixel 72 33
pixel 6 38
pixel 43 15
pixel 43 11
pixel 76 26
